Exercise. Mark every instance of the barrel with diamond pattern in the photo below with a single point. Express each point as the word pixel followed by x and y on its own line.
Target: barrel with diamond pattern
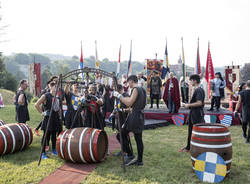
pixel 14 137
pixel 1 122
pixel 82 145
pixel 211 138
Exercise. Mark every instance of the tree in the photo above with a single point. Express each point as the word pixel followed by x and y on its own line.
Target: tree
pixel 45 76
pixel 63 69
pixel 7 80
pixel 23 59
pixel 11 82
pixel 75 57
pixel 40 59
pixel 245 73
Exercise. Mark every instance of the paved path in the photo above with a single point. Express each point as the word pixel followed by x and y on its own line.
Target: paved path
pixel 71 173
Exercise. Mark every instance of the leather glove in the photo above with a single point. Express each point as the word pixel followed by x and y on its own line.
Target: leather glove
pixel 44 113
pixel 117 95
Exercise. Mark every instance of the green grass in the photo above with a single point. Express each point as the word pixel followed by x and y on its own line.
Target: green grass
pixel 22 167
pixel 7 96
pixel 162 161
pixel 164 164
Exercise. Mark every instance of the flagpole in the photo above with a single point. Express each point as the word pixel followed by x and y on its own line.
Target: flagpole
pixel 183 71
pixel 119 62
pixel 129 62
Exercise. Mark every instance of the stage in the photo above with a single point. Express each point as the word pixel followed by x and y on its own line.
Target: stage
pixel 161 117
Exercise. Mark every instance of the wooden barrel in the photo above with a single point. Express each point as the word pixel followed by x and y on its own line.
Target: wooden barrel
pixel 1 122
pixel 83 145
pixel 14 137
pixel 211 138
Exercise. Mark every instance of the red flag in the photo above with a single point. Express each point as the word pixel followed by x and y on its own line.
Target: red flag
pixel 81 63
pixel 81 58
pixel 209 69
pixel 119 62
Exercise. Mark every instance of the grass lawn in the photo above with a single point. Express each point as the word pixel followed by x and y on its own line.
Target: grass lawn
pixel 162 161
pixel 7 96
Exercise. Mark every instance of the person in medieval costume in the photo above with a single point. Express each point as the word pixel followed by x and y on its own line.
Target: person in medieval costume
pixel 55 121
pixel 196 105
pixel 22 112
pixel 44 91
pixel 108 101
pixel 155 89
pixel 244 98
pixel 72 118
pixel 218 85
pixel 184 93
pixel 120 112
pixel 135 120
pixel 171 94
pixel 93 115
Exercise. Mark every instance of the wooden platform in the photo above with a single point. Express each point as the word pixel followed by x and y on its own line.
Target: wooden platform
pixel 154 116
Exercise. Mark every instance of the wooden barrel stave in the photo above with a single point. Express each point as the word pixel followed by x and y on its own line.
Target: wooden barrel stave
pixel 217 140
pixel 82 145
pixel 14 137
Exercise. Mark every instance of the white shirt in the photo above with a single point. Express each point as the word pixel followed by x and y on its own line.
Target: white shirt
pixel 141 82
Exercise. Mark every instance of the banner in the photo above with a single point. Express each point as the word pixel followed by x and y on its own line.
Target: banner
pixel 153 64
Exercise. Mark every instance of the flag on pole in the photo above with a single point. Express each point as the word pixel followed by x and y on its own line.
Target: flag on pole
pixel 209 75
pixel 183 61
pixel 81 62
pixel 129 62
pixel 198 64
pixel 165 68
pixel 96 60
pixel 96 57
pixel 119 62
pixel 183 67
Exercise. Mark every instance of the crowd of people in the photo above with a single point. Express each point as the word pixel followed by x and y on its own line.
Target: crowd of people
pixel 90 105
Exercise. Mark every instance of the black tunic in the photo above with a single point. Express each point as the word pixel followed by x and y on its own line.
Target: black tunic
pixel 94 119
pixel 22 113
pixel 55 124
pixel 72 104
pixel 196 114
pixel 245 98
pixel 135 121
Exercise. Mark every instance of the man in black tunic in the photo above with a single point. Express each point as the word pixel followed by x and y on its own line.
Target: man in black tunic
pixel 135 120
pixel 244 98
pixel 73 102
pixel 196 114
pixel 22 113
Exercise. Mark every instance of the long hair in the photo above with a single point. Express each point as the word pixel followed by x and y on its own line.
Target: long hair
pixel 218 73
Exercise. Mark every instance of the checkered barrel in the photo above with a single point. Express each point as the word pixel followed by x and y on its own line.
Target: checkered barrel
pixel 82 145
pixel 211 138
pixel 14 137
pixel 1 122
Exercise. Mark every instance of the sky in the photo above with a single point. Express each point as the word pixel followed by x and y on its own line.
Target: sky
pixel 58 27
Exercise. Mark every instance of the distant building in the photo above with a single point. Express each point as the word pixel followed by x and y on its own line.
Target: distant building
pixel 177 69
